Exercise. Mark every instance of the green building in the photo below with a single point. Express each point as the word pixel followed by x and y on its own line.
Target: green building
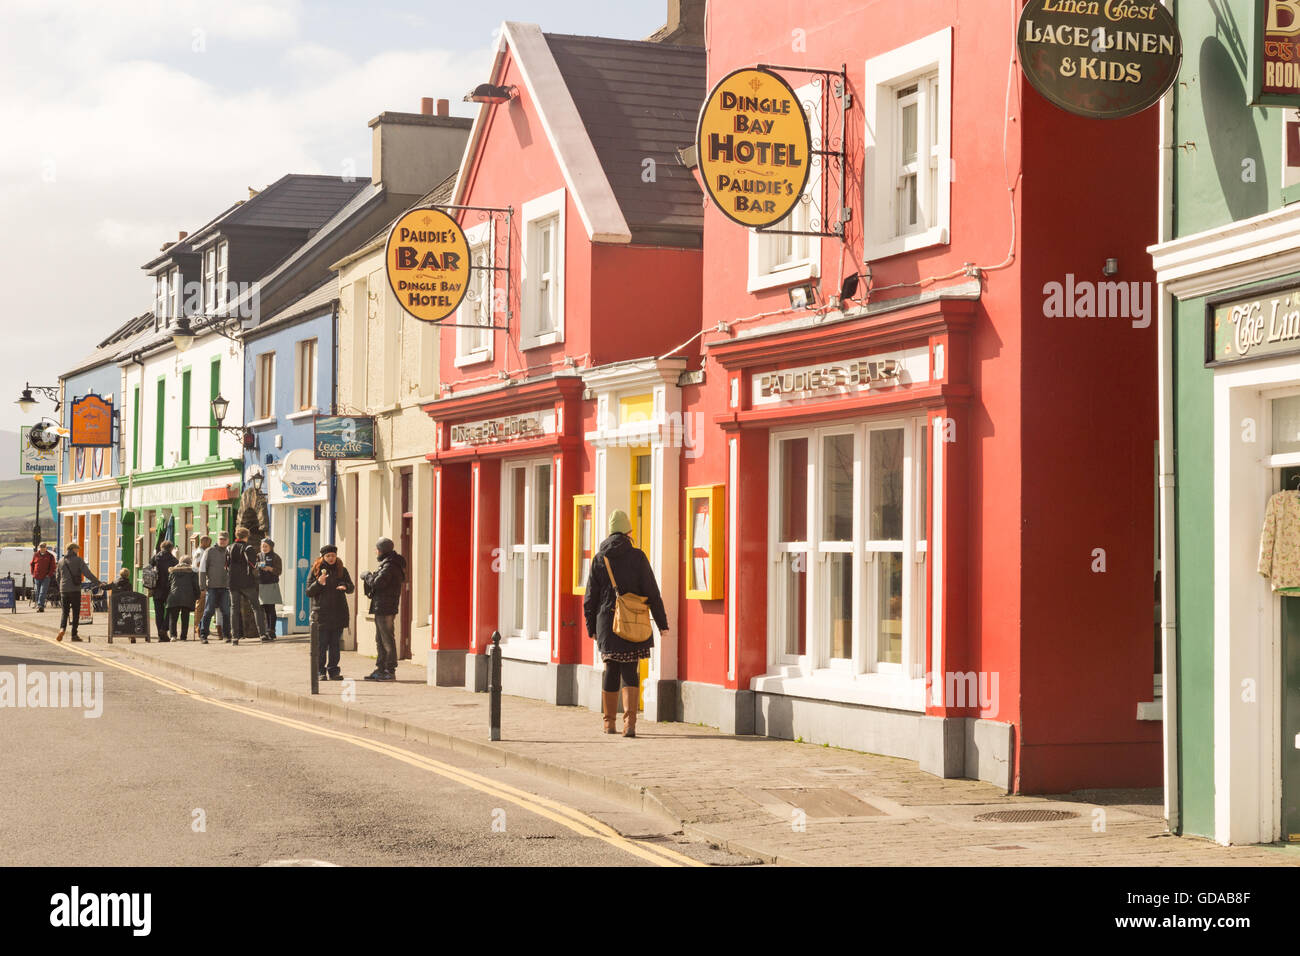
pixel 1228 266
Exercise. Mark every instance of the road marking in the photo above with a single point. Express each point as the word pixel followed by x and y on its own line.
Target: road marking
pixel 566 816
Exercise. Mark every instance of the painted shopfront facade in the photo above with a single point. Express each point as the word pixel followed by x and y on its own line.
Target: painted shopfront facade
pixel 589 270
pixel 1229 275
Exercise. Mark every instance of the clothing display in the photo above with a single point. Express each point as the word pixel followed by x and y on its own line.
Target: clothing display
pixel 1279 543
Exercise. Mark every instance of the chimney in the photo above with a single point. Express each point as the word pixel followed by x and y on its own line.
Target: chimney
pixel 413 152
pixel 685 24
pixel 181 237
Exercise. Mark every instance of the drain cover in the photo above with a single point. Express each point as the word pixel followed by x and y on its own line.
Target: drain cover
pixel 1025 816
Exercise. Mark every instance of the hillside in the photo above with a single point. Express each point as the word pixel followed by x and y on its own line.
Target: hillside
pixel 18 509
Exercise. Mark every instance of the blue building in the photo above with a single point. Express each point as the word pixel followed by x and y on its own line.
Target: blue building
pixel 289 379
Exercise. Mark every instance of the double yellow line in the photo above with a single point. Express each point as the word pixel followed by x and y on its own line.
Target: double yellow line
pixel 565 816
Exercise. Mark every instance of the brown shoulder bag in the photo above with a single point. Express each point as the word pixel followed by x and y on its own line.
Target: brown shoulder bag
pixel 631 613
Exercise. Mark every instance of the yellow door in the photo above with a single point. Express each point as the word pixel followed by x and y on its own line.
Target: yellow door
pixel 641 514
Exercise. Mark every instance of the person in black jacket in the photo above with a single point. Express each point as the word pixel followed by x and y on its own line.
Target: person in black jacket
pixel 329 589
pixel 242 564
pixel 162 562
pixel 384 588
pixel 182 592
pixel 632 575
pixel 70 573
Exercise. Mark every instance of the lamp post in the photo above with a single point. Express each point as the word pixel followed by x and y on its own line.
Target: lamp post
pixel 36 526
pixel 26 401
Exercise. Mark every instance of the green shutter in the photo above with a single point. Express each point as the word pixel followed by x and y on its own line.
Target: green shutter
pixel 158 430
pixel 135 431
pixel 214 435
pixel 185 416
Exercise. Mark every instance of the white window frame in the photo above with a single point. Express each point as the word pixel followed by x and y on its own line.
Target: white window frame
pixel 210 280
pixel 174 295
pixel 533 644
pixel 864 679
pixel 885 76
pixel 305 375
pixel 265 361
pixel 535 213
pixel 481 238
pixel 223 276
pixel 160 298
pixel 764 271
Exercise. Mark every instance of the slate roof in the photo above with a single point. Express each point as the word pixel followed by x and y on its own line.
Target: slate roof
pixel 641 100
pixel 294 201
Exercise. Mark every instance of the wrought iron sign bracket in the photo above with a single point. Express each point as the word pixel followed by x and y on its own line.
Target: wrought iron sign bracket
pixel 487 214
pixel 828 151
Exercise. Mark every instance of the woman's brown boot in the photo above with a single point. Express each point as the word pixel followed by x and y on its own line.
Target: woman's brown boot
pixel 609 709
pixel 630 702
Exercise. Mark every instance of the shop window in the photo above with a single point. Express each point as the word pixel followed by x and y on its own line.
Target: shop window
pixel 704 548
pixel 778 259
pixel 584 540
pixel 857 544
pixel 474 338
pixel 543 260
pixel 526 554
pixel 908 158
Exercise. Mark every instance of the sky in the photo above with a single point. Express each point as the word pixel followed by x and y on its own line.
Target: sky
pixel 128 121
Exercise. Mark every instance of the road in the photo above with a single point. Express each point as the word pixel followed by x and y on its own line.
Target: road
pixel 175 775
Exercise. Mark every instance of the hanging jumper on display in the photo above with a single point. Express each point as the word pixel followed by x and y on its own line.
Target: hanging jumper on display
pixel 1279 543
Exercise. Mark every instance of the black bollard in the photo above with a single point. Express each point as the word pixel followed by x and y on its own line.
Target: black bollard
pixel 494 687
pixel 315 656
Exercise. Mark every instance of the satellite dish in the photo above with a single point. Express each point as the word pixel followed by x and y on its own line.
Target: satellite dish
pixel 42 436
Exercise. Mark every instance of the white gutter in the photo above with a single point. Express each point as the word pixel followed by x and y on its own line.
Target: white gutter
pixel 1168 529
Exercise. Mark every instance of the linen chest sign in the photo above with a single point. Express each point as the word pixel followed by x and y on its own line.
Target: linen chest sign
pixel 1276 57
pixel 1260 326
pixel 497 430
pixel 753 144
pixel 1103 59
pixel 428 263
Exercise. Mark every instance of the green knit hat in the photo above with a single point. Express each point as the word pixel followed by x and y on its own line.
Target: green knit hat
pixel 619 523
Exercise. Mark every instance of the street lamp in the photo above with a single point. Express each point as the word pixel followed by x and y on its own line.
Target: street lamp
pixel 26 401
pixel 183 334
pixel 219 408
pixel 36 527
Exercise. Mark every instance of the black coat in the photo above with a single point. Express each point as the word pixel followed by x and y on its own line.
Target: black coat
pixel 243 566
pixel 183 588
pixel 634 575
pixel 163 562
pixel 386 586
pixel 329 605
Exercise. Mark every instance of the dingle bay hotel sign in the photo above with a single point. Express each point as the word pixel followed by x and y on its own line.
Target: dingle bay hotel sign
pixel 1103 59
pixel 1262 325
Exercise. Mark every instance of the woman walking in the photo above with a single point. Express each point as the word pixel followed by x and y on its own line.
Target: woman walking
pixel 181 597
pixel 632 574
pixel 329 589
pixel 70 572
pixel 162 563
pixel 269 569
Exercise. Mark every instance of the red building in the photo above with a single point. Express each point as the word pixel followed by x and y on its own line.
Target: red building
pixel 913 517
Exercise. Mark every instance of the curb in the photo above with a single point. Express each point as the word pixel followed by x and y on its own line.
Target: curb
pixel 630 795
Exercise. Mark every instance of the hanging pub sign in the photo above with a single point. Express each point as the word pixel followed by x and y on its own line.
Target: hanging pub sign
pixel 92 422
pixel 428 263
pixel 345 437
pixel 1103 59
pixel 1275 60
pixel 753 146
pixel 1261 324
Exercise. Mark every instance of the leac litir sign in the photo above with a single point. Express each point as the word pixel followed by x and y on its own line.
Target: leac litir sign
pixel 1103 59
pixel 753 144
pixel 428 263
pixel 1275 60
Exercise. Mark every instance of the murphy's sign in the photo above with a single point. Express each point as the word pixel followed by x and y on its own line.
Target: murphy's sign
pixel 753 145
pixel 1103 59
pixel 1275 59
pixel 427 261
pixel 1262 325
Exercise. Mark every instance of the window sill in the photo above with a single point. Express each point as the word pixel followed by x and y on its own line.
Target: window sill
pixel 534 650
pixel 474 358
pixel 261 422
pixel 305 413
pixel 870 690
pixel 783 277
pixel 1151 709
pixel 539 341
pixel 937 236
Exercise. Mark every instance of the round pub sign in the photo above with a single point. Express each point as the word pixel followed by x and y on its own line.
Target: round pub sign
pixel 753 145
pixel 1103 59
pixel 428 263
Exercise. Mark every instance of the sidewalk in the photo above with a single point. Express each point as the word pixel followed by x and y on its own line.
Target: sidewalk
pixel 781 801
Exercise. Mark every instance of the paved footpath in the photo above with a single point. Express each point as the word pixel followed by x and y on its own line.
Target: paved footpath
pixel 780 801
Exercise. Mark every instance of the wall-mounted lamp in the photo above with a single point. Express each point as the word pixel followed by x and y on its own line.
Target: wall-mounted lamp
pixel 802 296
pixel 1111 267
pixel 490 93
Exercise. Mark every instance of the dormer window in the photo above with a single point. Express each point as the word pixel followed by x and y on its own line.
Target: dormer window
pixel 167 297
pixel 215 271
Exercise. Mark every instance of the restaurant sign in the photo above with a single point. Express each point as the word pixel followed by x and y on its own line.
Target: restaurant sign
pixel 1262 325
pixel 753 144
pixel 1103 59
pixel 428 263
pixel 1275 63
pixel 494 431
pixel 92 422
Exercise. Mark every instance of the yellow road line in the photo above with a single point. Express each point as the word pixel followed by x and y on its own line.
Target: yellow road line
pixel 566 816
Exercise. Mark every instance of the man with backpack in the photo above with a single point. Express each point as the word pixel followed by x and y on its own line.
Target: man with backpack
pixel 242 564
